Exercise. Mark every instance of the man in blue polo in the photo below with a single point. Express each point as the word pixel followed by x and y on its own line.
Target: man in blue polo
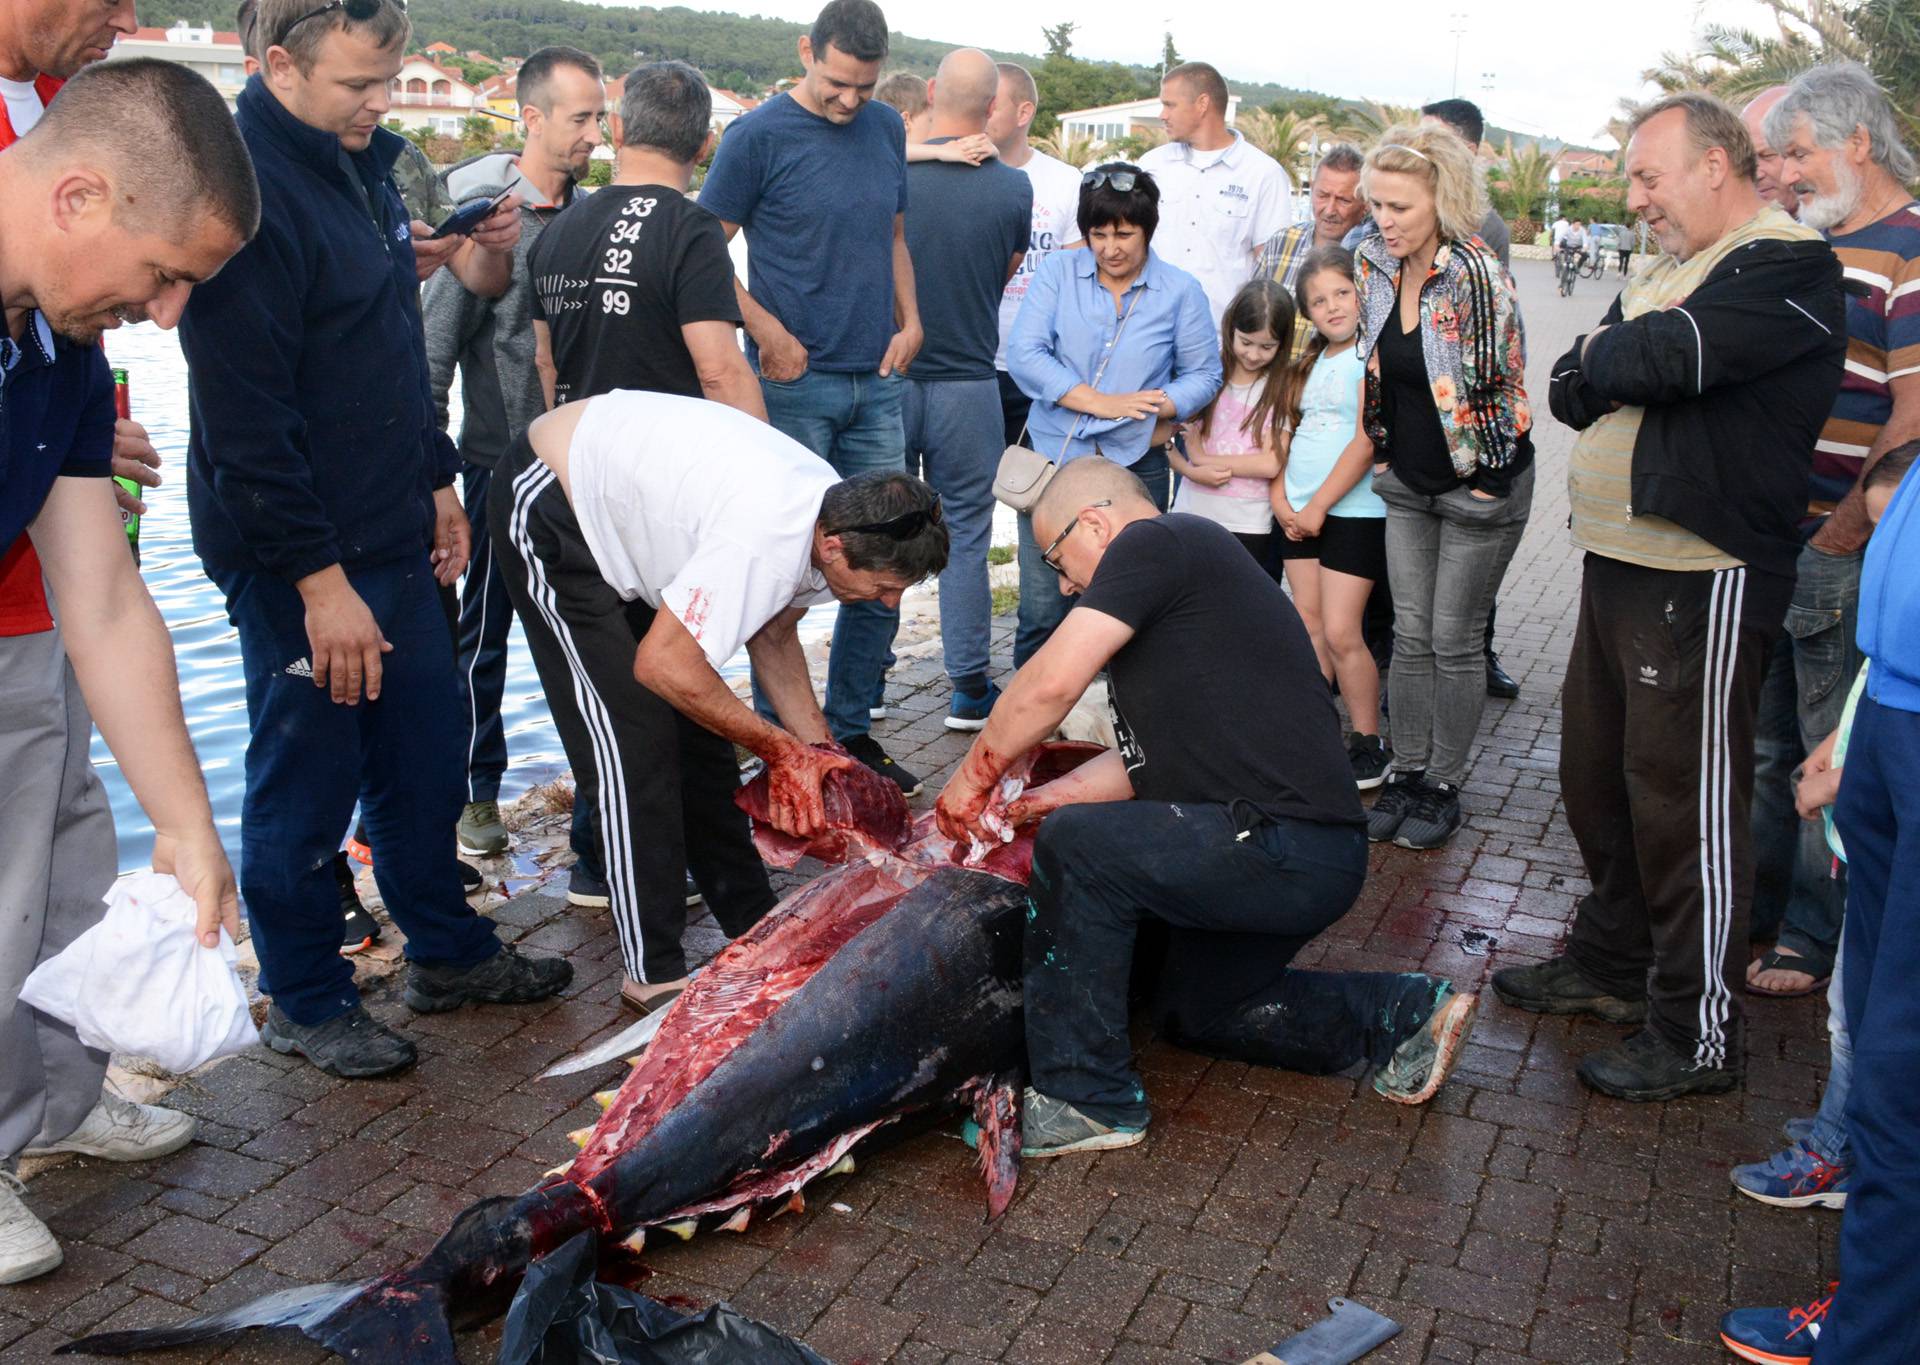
pixel 817 178
pixel 323 508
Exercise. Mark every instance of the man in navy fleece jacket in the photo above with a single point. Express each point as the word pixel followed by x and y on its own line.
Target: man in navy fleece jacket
pixel 322 506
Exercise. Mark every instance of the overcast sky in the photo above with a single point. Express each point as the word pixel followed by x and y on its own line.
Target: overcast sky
pixel 1557 69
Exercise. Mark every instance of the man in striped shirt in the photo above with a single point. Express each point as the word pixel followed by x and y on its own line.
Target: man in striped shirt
pixel 1338 209
pixel 1841 154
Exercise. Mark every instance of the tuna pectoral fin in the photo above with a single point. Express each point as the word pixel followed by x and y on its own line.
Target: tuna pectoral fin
pixel 374 1320
pixel 996 1112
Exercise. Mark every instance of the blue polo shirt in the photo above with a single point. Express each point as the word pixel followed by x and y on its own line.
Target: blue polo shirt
pixel 56 420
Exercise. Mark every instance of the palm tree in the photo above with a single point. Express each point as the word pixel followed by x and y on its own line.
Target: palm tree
pixel 1076 149
pixel 1364 120
pixel 1528 175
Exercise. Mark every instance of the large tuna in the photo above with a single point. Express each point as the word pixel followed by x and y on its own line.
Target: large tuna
pixel 887 986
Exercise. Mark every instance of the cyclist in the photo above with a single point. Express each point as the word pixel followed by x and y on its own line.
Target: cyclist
pixel 1573 253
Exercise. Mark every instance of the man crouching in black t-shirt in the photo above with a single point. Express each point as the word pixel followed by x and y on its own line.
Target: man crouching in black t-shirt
pixel 1228 812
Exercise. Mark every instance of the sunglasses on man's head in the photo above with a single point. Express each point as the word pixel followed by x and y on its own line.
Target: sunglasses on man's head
pixel 1123 181
pixel 903 527
pixel 357 10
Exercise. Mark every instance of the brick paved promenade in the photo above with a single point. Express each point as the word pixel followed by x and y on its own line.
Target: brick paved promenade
pixel 1516 1218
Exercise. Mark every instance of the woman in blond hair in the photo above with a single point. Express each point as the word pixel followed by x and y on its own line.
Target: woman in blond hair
pixel 1447 410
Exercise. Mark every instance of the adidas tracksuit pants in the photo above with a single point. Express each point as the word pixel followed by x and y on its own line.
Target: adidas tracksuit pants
pixel 1656 768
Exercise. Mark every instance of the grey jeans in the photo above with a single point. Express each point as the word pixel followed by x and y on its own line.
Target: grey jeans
pixel 57 859
pixel 1446 555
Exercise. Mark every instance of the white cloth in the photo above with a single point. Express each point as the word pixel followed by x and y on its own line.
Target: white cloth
pixel 1559 231
pixel 23 105
pixel 1056 221
pixel 1217 209
pixel 696 507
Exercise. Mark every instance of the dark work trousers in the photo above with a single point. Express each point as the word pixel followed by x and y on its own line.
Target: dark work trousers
pixel 486 620
pixel 661 787
pixel 1014 406
pixel 1873 1321
pixel 1656 768
pixel 309 758
pixel 1237 909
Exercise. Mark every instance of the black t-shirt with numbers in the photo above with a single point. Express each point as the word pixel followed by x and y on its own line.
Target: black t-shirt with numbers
pixel 616 276
pixel 1218 696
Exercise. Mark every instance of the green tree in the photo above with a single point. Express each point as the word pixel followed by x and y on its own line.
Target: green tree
pixel 1068 83
pixel 1059 39
pixel 1169 54
pixel 1528 173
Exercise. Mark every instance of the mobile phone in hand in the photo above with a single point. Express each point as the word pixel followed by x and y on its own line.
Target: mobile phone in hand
pixel 470 215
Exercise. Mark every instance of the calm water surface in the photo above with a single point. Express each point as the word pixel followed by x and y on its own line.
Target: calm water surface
pixel 212 687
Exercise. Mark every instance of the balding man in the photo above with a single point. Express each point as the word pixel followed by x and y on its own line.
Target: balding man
pixel 1227 815
pixel 103 220
pixel 1221 198
pixel 1769 177
pixel 967 229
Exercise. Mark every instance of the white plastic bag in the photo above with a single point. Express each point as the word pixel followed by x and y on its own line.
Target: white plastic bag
pixel 140 983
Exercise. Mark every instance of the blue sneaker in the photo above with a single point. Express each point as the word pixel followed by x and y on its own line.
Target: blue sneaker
pixel 1795 1178
pixel 969 710
pixel 1776 1336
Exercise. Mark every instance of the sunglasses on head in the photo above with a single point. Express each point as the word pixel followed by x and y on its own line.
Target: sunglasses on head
pixel 1123 181
pixel 903 527
pixel 357 10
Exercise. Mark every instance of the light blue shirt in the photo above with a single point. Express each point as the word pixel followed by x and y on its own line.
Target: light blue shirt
pixel 1067 326
pixel 1329 420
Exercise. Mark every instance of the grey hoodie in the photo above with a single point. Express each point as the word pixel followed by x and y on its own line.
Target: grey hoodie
pixel 490 340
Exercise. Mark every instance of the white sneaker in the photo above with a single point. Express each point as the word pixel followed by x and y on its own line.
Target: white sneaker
pixel 120 1130
pixel 27 1249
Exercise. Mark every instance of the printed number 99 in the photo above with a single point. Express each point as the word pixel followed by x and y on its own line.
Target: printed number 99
pixel 614 301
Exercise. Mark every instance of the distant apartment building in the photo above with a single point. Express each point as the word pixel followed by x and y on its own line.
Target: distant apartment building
pixel 212 53
pixel 428 95
pixel 1110 122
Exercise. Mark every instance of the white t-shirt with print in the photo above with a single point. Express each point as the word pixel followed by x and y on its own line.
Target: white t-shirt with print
pixel 698 508
pixel 1217 209
pixel 23 105
pixel 1056 221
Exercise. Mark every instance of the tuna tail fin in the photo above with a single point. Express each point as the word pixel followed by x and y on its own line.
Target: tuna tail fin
pixel 389 1319
pixel 996 1114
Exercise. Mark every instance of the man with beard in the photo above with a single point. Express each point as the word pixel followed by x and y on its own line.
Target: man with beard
pixel 103 220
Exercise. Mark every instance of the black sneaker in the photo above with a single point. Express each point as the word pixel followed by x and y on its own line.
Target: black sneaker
pixel 352 1046
pixel 470 878
pixel 1500 683
pixel 588 888
pixel 693 891
pixel 506 978
pixel 1557 987
pixel 1644 1067
pixel 1433 818
pixel 1393 805
pixel 867 749
pixel 360 930
pixel 1368 755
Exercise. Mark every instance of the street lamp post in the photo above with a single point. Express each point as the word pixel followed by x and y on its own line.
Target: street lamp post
pixel 1459 31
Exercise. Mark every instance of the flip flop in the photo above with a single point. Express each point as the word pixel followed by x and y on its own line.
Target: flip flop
pixel 1773 960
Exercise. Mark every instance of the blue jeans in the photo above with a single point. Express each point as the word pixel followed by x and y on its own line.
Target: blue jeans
pixel 1236 911
pixel 480 657
pixel 1446 556
pixel 309 758
pixel 953 431
pixel 1042 605
pixel 1829 1136
pixel 852 421
pixel 1795 883
pixel 1872 1321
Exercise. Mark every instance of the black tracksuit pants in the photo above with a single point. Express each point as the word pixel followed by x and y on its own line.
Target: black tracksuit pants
pixel 1656 768
pixel 661 786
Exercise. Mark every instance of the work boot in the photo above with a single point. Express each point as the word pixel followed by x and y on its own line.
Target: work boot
pixel 1557 987
pixel 1500 683
pixel 1050 1127
pixel 27 1249
pixel 1645 1068
pixel 506 978
pixel 480 832
pixel 116 1129
pixel 1419 1066
pixel 353 1046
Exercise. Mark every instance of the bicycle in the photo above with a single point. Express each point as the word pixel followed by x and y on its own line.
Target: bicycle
pixel 1567 270
pixel 1595 267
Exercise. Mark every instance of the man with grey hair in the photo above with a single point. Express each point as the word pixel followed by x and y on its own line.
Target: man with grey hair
pixel 1841 154
pixel 490 341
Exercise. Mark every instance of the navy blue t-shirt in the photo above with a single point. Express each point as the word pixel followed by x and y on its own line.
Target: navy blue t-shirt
pixel 817 201
pixel 963 231
pixel 56 420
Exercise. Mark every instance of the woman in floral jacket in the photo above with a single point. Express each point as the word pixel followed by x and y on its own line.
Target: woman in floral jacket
pixel 1447 409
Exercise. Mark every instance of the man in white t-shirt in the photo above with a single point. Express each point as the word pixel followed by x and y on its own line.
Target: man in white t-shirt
pixel 645 539
pixel 1559 231
pixel 1056 216
pixel 1221 197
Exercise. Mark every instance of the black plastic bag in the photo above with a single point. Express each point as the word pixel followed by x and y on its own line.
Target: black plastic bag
pixel 563 1316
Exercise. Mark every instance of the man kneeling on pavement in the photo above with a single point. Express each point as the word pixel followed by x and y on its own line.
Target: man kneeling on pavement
pixel 1227 814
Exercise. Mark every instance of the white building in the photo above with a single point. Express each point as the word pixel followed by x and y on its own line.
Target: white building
pixel 426 95
pixel 205 50
pixel 1112 121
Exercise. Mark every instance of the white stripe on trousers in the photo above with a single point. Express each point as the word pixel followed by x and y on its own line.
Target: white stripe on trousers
pixel 1724 603
pixel 485 570
pixel 615 844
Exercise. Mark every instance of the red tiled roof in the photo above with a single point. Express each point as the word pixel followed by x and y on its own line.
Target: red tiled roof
pixel 159 35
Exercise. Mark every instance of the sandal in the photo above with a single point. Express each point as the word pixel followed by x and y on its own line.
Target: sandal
pixel 645 1000
pixel 1773 960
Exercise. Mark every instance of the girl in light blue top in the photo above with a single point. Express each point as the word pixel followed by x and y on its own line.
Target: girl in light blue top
pixel 1332 525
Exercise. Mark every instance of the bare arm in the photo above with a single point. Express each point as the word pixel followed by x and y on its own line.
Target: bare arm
pixel 781 666
pixel 906 306
pixel 782 358
pixel 1354 464
pixel 725 376
pixel 543 361
pixel 1098 779
pixel 1849 519
pixel 123 658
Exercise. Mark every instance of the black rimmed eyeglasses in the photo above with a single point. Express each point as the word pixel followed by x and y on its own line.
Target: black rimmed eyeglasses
pixel 357 10
pixel 1047 555
pixel 903 527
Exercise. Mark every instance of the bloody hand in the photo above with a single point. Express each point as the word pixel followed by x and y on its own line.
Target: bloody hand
pixel 794 775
